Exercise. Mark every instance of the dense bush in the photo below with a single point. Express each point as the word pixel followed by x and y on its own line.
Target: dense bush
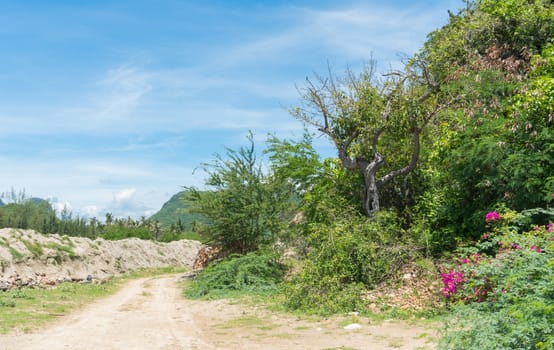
pixel 501 289
pixel 255 272
pixel 347 255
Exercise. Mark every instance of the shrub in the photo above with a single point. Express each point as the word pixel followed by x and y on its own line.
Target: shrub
pixel 501 293
pixel 244 207
pixel 346 256
pixel 255 273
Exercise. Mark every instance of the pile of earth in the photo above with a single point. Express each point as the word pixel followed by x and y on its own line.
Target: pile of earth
pixel 29 258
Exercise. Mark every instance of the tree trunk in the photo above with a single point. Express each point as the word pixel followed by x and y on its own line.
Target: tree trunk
pixel 371 190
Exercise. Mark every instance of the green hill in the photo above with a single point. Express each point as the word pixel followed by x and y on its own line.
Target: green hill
pixel 176 209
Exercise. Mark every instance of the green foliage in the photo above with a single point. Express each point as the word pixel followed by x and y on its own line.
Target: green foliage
pixel 345 256
pixel 34 247
pixel 503 299
pixel 37 214
pixel 245 207
pixel 26 214
pixel 295 162
pixel 117 232
pixel 519 27
pixel 253 273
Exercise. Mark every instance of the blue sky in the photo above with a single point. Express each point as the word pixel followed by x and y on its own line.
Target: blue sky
pixel 109 106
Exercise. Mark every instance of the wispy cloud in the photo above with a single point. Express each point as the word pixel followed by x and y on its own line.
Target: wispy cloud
pixel 121 92
pixel 352 32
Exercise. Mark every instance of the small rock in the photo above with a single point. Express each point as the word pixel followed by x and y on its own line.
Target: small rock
pixel 353 326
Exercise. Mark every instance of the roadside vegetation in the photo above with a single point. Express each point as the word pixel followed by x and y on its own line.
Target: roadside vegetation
pixel 446 164
pixel 448 161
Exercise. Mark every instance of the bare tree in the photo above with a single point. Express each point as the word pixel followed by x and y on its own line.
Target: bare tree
pixel 357 112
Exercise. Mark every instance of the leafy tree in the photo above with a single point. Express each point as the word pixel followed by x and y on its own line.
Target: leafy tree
pixel 243 206
pixel 295 162
pixel 369 120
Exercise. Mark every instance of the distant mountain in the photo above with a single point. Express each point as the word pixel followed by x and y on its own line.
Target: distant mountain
pixel 36 200
pixel 176 209
pixel 33 200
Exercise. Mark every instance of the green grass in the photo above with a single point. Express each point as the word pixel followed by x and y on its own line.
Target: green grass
pixel 29 309
pixel 16 254
pixel 61 249
pixel 43 305
pixel 34 247
pixel 248 321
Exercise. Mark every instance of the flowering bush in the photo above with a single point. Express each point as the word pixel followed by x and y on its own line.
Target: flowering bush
pixel 451 281
pixel 501 289
pixel 492 216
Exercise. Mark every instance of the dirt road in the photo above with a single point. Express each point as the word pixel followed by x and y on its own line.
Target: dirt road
pixel 151 314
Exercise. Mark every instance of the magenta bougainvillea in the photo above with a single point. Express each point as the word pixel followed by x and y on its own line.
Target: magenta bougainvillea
pixel 451 280
pixel 492 216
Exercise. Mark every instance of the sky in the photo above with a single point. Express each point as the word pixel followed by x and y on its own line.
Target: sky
pixel 110 106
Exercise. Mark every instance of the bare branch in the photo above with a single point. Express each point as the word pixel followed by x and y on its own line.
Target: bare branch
pixel 346 160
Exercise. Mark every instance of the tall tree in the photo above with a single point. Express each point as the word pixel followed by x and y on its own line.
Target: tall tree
pixel 367 120
pixel 243 205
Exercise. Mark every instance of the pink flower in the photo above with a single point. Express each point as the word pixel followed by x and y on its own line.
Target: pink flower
pixel 451 281
pixel 492 216
pixel 536 249
pixel 549 227
pixel 485 236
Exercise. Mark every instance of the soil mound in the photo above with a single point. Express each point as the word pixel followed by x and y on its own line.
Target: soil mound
pixel 29 258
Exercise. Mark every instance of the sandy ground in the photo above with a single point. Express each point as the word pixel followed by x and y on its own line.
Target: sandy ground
pixel 151 314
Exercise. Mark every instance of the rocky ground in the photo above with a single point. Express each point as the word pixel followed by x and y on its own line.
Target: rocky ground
pixel 29 258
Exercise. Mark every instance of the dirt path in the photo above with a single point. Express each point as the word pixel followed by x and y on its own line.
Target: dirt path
pixel 151 314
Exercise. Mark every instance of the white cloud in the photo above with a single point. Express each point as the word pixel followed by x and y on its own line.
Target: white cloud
pixel 125 188
pixel 60 207
pixel 121 92
pixel 351 33
pixel 124 195
pixel 89 211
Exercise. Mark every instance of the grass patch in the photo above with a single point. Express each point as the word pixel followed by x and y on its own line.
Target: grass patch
pixel 248 321
pixel 16 254
pixel 396 342
pixel 42 305
pixel 33 247
pixel 61 249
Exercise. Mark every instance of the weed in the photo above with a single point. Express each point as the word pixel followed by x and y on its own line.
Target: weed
pixel 61 249
pixel 248 321
pixel 17 255
pixel 33 247
pixel 5 302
